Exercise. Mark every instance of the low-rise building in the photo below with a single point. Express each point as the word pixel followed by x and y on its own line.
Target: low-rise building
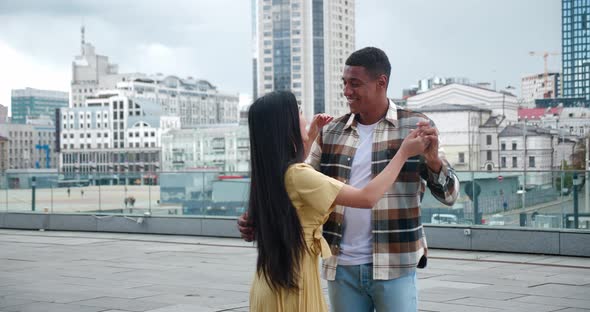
pixel 458 127
pixel 221 147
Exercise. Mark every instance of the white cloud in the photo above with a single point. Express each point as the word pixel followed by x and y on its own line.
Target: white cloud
pixel 19 70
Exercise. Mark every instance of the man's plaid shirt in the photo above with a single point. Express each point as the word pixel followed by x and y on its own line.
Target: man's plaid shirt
pixel 398 236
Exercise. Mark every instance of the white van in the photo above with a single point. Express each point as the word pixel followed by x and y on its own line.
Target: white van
pixel 442 218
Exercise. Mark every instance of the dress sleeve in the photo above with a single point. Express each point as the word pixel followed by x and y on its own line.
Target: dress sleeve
pixel 315 189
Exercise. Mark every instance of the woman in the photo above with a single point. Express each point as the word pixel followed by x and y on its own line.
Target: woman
pixel 289 202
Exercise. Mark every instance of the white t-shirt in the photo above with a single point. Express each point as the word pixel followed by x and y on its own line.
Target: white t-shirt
pixel 357 237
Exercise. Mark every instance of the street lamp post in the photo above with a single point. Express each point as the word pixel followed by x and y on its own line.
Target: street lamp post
pixel 524 164
pixel 33 189
pixel 576 181
pixel 587 181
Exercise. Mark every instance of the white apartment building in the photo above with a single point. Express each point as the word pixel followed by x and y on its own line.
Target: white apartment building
pixel 459 132
pixel 535 87
pixel 113 133
pixel 302 47
pixel 489 144
pixel 500 103
pixel 196 102
pixel 537 154
pixel 575 120
pixel 221 147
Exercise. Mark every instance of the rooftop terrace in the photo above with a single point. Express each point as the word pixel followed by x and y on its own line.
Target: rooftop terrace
pixel 91 272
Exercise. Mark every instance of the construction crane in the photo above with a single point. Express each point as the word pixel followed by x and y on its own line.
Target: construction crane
pixel 545 55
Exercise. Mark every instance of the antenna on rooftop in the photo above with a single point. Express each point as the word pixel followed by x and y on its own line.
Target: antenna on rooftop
pixel 82 41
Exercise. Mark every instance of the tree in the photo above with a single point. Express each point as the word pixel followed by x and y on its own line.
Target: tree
pixel 579 155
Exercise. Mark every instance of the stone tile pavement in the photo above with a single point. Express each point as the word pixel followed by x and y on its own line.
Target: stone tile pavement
pixel 107 272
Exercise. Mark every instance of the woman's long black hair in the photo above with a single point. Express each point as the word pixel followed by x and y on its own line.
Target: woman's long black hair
pixel 275 143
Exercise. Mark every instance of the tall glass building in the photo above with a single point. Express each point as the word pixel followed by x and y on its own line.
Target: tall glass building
pixel 576 49
pixel 34 103
pixel 302 46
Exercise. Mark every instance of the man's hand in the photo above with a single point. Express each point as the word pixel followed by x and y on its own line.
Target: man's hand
pixel 431 152
pixel 245 228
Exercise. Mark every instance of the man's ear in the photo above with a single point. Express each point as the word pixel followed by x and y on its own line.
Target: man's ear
pixel 382 81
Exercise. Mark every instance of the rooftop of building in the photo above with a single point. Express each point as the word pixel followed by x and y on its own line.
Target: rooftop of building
pixel 517 130
pixel 538 113
pixel 449 107
pixel 81 271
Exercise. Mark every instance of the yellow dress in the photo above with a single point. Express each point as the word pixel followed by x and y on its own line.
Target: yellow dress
pixel 312 194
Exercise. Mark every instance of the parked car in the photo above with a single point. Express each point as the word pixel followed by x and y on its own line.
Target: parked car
pixel 496 219
pixel 442 218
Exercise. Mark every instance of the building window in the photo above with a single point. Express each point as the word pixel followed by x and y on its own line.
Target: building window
pixel 503 146
pixel 513 146
pixel 503 162
pixel 489 155
pixel 488 139
pixel 461 158
pixel 514 162
pixel 532 161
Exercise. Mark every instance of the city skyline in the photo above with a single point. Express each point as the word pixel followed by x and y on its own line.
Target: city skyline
pixel 483 41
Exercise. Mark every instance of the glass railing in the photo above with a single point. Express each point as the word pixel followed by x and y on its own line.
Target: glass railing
pixel 537 199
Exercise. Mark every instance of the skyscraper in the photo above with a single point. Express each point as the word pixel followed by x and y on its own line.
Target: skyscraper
pixel 302 47
pixel 576 49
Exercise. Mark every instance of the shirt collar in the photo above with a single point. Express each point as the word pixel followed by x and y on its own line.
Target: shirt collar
pixel 390 116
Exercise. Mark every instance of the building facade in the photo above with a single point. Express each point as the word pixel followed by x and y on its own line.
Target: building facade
pixel 489 144
pixel 114 137
pixel 500 103
pixel 3 114
pixel 536 87
pixel 29 145
pixel 221 147
pixel 195 102
pixel 34 103
pixel 575 46
pixel 3 154
pixel 528 148
pixel 302 47
pixel 458 127
pixel 92 73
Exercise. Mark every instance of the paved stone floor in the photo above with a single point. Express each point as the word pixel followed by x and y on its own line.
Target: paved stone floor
pixel 92 272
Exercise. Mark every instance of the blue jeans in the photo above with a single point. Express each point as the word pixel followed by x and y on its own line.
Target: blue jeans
pixel 354 290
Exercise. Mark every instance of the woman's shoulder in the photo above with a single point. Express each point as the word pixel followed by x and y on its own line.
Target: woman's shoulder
pixel 299 173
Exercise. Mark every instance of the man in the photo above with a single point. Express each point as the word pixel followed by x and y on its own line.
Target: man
pixel 376 251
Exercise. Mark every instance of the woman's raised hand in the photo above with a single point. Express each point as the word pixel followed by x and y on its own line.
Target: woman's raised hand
pixel 414 144
pixel 319 121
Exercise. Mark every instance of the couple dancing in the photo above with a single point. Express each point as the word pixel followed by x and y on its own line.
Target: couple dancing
pixel 354 202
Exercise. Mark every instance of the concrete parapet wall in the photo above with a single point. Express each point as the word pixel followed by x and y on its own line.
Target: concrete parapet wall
pixel 563 242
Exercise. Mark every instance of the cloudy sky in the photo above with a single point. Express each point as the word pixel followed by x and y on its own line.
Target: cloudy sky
pixel 481 40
